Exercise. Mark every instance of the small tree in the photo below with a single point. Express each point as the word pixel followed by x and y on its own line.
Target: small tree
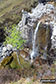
pixel 14 37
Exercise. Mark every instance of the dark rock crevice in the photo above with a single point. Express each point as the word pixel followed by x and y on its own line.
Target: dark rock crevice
pixel 2 35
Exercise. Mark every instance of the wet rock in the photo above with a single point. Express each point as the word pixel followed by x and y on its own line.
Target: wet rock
pixel 45 14
pixel 43 36
pixel 26 25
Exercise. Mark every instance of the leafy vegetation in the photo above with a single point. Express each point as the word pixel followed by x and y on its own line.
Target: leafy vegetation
pixel 14 37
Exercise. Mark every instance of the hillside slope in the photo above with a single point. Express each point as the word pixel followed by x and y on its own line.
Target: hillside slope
pixel 10 10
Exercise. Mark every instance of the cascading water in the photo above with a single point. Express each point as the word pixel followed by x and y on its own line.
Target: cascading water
pixel 34 53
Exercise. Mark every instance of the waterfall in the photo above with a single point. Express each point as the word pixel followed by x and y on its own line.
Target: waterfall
pixel 34 53
pixel 36 30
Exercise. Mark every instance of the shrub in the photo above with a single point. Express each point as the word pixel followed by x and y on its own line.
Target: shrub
pixel 14 37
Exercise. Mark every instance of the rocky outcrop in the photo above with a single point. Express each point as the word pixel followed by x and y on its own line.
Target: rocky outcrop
pixel 30 19
pixel 46 30
pixel 45 35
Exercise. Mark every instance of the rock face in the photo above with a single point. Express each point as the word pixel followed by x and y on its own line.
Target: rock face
pixel 46 31
pixel 30 19
pixel 44 37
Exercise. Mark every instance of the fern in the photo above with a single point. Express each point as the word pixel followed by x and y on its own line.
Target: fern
pixel 14 37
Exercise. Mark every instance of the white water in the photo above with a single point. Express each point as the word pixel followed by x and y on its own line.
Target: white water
pixel 53 38
pixel 33 54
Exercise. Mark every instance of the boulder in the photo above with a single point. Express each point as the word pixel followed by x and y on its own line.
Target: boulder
pixel 5 51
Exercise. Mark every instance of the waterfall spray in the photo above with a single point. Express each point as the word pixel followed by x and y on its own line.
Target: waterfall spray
pixel 34 53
